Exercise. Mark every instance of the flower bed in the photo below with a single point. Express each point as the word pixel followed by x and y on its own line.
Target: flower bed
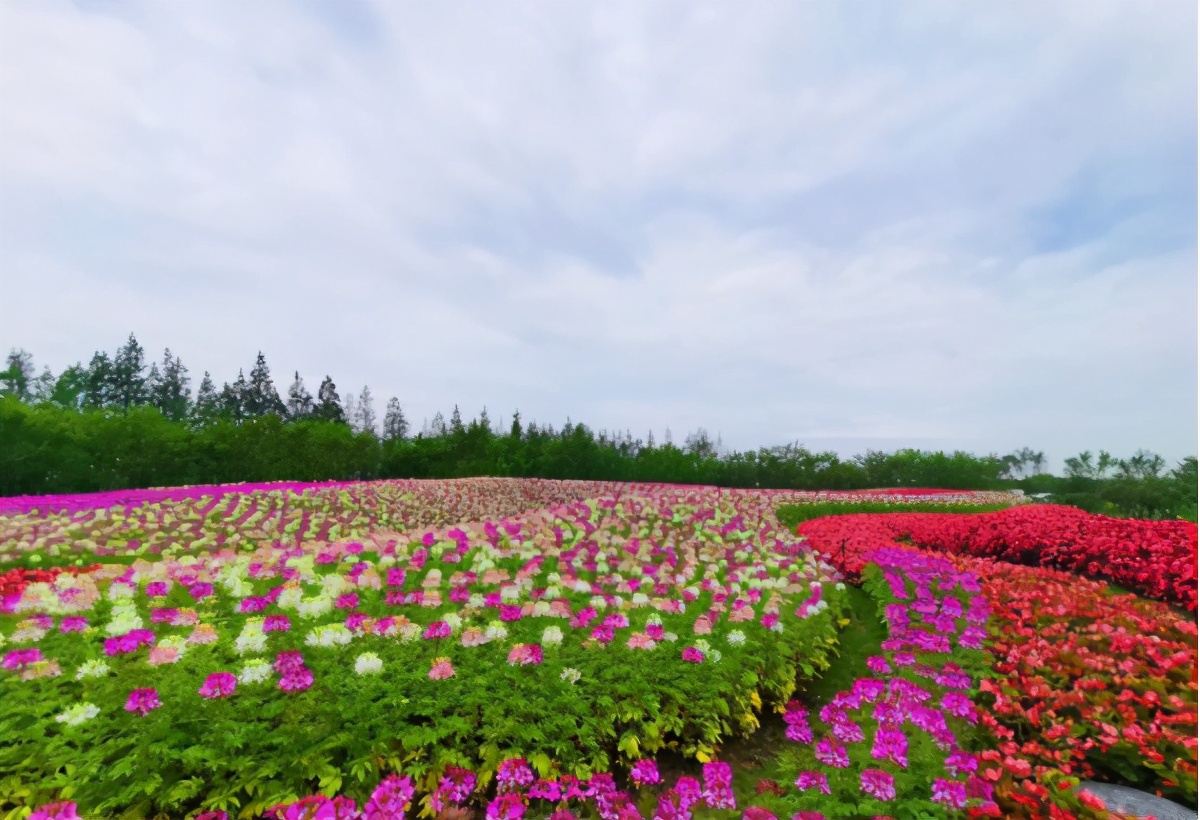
pixel 1154 558
pixel 575 637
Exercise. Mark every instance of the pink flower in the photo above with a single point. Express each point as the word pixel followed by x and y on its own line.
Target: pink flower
pixel 514 774
pixel 163 654
pixel 525 654
pixel 441 669
pixel 639 640
pixel 142 701
pixel 506 807
pixel 703 625
pixel 289 661
pixel 157 589
pixel 390 799
pixel 437 629
pixel 655 631
pixel 73 624
pixel 645 773
pixel 212 815
pixel 347 601
pixel 316 807
pixel 218 685
pixel 454 788
pixel 18 659
pixel 809 780
pixel 832 754
pixel 758 813
pixel 201 590
pixel 693 655
pixel 879 784
pixel 56 811
pixel 276 623
pixel 297 680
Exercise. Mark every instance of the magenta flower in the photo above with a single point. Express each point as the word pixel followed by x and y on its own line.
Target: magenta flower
pixel 73 624
pixel 960 762
pixel 347 601
pixel 390 799
pixel 56 811
pixel 693 655
pixel 879 784
pixel 506 807
pixel 546 790
pixel 129 642
pixel 212 815
pixel 514 774
pixel 758 813
pixel 454 788
pixel 645 773
pixel 878 665
pixel 142 701
pixel 847 731
pixel 395 577
pixel 437 629
pixel 253 604
pixel 441 669
pixel 157 589
pixel 316 807
pixel 959 705
pixel 201 590
pixel 655 631
pixel 218 685
pixel 296 681
pixel 808 815
pixel 18 659
pixel 811 780
pixel 276 623
pixel 891 744
pixel 832 754
pixel 289 661
pixel 163 615
pixel 525 654
pixel 510 612
pixel 950 793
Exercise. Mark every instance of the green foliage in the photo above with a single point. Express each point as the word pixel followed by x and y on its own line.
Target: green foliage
pixel 792 514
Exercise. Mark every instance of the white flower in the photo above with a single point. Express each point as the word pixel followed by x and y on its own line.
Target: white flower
pixel 552 636
pixel 714 656
pixel 510 593
pixel 640 599
pixel 736 638
pixel 495 631
pixel 654 618
pixel 255 671
pixel 570 675
pixel 119 592
pixel 541 609
pixel 840 587
pixel 597 602
pixel 329 635
pixel 29 634
pixel 582 586
pixel 254 643
pixel 77 714
pixel 334 585
pixel 703 646
pixel 125 618
pixel 290 597
pixel 453 620
pixel 314 607
pixel 553 592
pixel 368 663
pixel 670 636
pixel 92 669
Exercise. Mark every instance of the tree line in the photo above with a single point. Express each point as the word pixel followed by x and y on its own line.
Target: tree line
pixel 121 422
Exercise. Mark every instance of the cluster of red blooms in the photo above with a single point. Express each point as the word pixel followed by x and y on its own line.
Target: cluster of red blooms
pixel 1154 558
pixel 14 581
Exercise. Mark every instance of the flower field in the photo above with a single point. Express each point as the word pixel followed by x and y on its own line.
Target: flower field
pixel 518 647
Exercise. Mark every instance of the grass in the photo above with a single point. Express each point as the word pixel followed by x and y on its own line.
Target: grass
pixel 792 514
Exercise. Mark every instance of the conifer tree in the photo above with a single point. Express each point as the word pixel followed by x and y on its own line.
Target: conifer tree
pixel 208 403
pixel 17 376
pixel 128 375
pixel 42 388
pixel 300 402
pixel 515 430
pixel 261 397
pixel 70 387
pixel 99 390
pixel 364 412
pixel 170 393
pixel 395 426
pixel 456 425
pixel 329 403
pixel 233 398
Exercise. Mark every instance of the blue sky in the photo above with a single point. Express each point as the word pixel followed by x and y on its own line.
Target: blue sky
pixel 852 225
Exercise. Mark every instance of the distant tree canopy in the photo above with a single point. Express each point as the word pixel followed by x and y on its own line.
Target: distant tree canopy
pixel 118 423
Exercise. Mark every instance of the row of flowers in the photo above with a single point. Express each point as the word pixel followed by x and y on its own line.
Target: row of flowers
pixel 1157 559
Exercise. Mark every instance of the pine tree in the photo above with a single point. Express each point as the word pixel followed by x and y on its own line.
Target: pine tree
pixel 233 398
pixel 364 412
pixel 128 376
pixel 300 401
pixel 515 430
pixel 170 393
pixel 261 396
pixel 484 421
pixel 42 388
pixel 18 374
pixel 437 425
pixel 99 390
pixel 350 411
pixel 208 403
pixel 456 425
pixel 329 403
pixel 395 426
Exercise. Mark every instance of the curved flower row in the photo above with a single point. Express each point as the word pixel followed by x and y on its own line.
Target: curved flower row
pixel 1155 558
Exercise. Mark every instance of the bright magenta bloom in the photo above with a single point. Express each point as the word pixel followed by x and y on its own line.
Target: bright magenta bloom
pixel 693 655
pixel 390 799
pixel 437 629
pixel 218 685
pixel 645 773
pixel 18 659
pixel 142 701
pixel 276 623
pixel 878 784
pixel 56 811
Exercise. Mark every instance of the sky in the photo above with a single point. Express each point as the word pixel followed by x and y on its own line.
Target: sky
pixel 851 225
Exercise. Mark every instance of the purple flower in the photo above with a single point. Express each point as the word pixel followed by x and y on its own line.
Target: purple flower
pixel 347 601
pixel 832 754
pixel 878 784
pixel 253 604
pixel 454 788
pixel 960 762
pixel 218 685
pixel 390 798
pixel 891 744
pixel 645 773
pixel 950 792
pixel 56 811
pixel 546 790
pixel 847 731
pixel 809 780
pixel 693 655
pixel 959 705
pixel 157 589
pixel 296 681
pixel 878 665
pixel 142 701
pixel 437 629
pixel 200 590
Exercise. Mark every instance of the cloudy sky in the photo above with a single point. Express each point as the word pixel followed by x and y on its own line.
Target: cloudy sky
pixel 869 224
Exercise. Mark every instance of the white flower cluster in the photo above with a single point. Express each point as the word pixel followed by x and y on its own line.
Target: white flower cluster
pixel 510 593
pixel 125 618
pixel 570 675
pixel 368 663
pixel 92 669
pixel 597 602
pixel 552 636
pixel 476 601
pixel 453 620
pixel 496 631
pixel 640 599
pixel 252 640
pixel 77 714
pixel 255 671
pixel 708 652
pixel 120 592
pixel 329 635
pixel 314 607
pixel 736 638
